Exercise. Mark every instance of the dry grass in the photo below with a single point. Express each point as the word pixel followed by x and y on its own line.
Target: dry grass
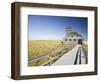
pixel 85 48
pixel 85 43
pixel 38 48
pixel 41 47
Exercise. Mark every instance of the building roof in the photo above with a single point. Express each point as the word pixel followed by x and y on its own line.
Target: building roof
pixel 75 33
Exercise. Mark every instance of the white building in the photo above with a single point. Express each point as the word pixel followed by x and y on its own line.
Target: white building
pixel 72 37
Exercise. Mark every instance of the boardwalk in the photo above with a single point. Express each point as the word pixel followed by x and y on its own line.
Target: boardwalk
pixel 75 56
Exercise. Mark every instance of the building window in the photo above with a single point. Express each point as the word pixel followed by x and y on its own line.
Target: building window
pixel 74 39
pixel 69 39
pixel 65 39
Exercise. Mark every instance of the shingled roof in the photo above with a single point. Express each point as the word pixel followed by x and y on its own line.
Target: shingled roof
pixel 75 33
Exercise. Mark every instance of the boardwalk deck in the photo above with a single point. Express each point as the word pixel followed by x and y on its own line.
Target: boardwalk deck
pixel 69 58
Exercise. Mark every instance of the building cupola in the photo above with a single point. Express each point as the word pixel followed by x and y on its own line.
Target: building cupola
pixel 68 31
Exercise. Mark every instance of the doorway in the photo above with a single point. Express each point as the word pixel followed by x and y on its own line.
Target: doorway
pixel 79 41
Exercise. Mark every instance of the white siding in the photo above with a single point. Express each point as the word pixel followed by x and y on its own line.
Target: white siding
pixel 71 40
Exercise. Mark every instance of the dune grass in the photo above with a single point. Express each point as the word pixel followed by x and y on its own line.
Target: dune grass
pixel 85 43
pixel 52 48
pixel 41 47
pixel 85 48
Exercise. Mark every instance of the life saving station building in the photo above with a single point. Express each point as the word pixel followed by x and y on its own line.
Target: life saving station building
pixel 72 37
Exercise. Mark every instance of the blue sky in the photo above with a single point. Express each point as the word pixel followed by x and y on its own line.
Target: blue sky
pixel 53 27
